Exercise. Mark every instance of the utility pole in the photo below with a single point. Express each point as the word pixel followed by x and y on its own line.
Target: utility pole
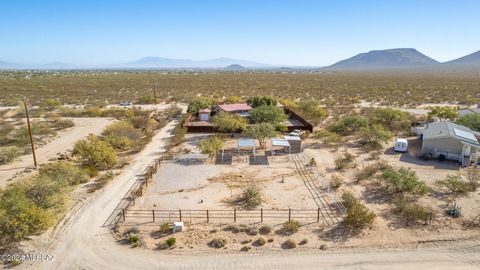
pixel 30 134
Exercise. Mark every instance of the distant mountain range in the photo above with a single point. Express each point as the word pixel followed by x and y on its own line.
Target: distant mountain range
pixel 400 58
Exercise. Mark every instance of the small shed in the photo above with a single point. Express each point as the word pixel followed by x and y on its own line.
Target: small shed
pixel 204 115
pixel 295 143
pixel 177 226
pixel 282 143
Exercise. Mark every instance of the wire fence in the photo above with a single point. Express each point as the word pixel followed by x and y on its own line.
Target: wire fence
pixel 223 216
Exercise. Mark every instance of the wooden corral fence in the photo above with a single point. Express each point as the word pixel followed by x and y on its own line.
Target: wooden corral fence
pixel 225 216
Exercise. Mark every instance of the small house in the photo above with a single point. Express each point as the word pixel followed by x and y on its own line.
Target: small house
pixel 447 140
pixel 204 115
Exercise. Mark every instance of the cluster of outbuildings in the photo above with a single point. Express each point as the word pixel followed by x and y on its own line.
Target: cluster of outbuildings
pixel 202 121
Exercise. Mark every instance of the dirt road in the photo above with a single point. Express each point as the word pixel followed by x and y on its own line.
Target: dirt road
pixel 64 141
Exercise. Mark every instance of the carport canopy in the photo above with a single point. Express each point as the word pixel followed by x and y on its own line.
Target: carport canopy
pixel 281 142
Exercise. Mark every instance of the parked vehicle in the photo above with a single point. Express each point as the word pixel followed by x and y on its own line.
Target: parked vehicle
pixel 401 145
pixel 296 132
pixel 125 103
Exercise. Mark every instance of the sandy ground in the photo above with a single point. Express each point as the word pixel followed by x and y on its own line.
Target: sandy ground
pixel 63 142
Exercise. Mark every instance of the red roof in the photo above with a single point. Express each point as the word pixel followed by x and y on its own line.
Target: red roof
pixel 235 107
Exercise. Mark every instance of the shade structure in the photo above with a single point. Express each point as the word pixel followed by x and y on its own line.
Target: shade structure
pixel 280 142
pixel 246 142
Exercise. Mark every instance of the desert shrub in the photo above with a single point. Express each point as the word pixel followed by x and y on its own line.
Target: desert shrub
pixel 289 244
pixel 472 175
pixel 165 228
pixel 251 197
pixel 455 184
pixel 336 181
pixel 251 230
pixel 171 241
pixel 233 100
pixel 391 119
pixel 442 113
pixel 147 99
pixel 328 138
pixel 218 243
pixel 374 135
pixel 265 229
pixel 323 247
pixel 311 110
pixel 471 120
pixel 134 239
pixel 358 215
pixel 8 154
pixel 345 161
pixel 120 143
pixel 59 124
pixel 353 123
pixel 122 129
pixel 370 170
pixel 179 132
pixel 94 152
pixel 25 209
pixel 268 114
pixel 64 173
pixel 403 180
pixel 412 212
pixel 227 122
pixel 234 228
pixel 303 242
pixel 258 101
pixel 261 241
pixel 290 227
pixel 90 170
pixel 246 248
pixel 50 104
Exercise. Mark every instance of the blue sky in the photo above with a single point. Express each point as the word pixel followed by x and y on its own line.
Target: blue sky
pixel 313 33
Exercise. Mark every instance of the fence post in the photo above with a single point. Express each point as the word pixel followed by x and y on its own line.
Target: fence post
pixel 208 217
pixel 318 214
pixel 261 215
pixel 153 215
pixel 289 214
pixel 234 215
pixel 180 214
pixel 123 214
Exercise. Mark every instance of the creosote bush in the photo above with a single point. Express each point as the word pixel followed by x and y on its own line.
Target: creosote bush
pixel 171 241
pixel 456 185
pixel 218 243
pixel 94 152
pixel 358 215
pixel 291 227
pixel 265 229
pixel 251 197
pixel 346 161
pixel 289 244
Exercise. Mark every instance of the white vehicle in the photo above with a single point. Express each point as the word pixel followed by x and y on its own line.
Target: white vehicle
pixel 401 145
pixel 125 103
pixel 296 132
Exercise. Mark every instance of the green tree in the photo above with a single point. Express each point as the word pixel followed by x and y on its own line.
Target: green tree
pixel 94 152
pixel 354 122
pixel 392 119
pixel 442 113
pixel 226 122
pixel 258 101
pixel 261 132
pixel 403 180
pixel 200 103
pixel 211 146
pixel 374 135
pixel 471 120
pixel 268 114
